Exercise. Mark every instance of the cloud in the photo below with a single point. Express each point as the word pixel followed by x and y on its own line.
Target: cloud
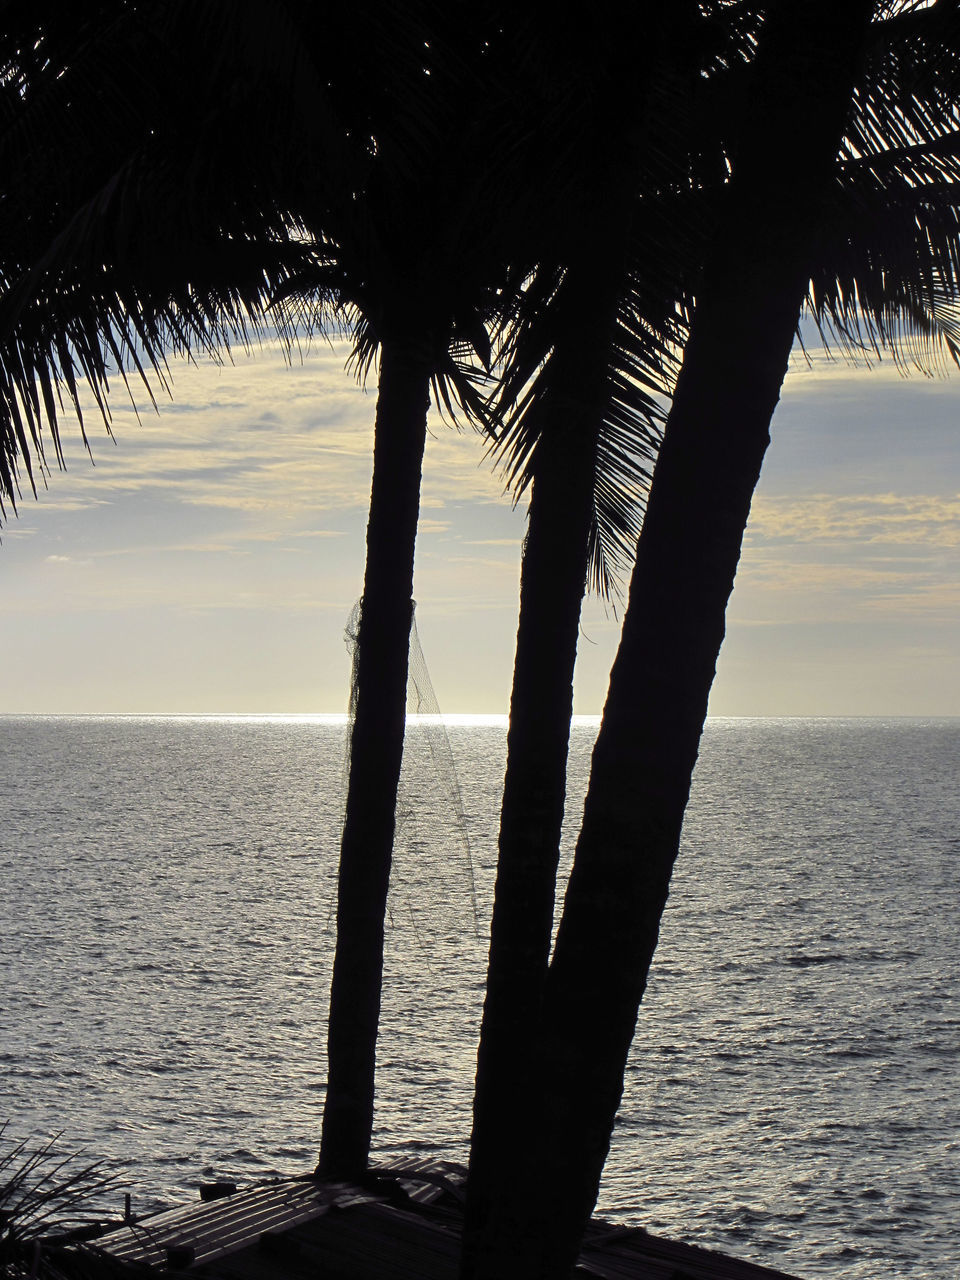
pixel 230 526
pixel 789 587
pixel 491 542
pixel 839 558
pixel 890 518
pixel 263 437
pixel 71 560
pixel 318 533
pixel 858 368
pixel 427 525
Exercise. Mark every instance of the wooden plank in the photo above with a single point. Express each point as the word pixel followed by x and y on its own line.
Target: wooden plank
pixel 301 1230
pixel 199 1234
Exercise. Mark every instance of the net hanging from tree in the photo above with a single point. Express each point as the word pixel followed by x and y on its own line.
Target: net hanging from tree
pixel 431 847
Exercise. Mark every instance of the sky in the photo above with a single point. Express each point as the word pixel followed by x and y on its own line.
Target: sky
pixel 209 559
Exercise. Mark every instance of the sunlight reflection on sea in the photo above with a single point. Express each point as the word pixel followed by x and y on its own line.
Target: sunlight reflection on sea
pixel 792 1092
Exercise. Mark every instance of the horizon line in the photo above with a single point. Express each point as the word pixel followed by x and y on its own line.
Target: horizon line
pixel 453 718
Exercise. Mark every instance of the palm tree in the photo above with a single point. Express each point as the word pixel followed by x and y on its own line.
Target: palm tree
pixel 646 168
pixel 424 264
pixel 777 218
pixel 584 438
pixel 379 259
pixel 362 175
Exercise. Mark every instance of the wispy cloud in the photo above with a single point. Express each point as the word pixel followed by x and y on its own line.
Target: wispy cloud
pixel 797 582
pixel 900 519
pixel 265 438
pixel 853 367
pixel 223 537
pixel 70 560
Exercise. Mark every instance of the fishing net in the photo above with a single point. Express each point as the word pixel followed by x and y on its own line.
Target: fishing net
pixel 432 881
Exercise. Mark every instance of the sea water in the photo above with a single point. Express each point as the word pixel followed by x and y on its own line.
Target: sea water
pixel 792 1094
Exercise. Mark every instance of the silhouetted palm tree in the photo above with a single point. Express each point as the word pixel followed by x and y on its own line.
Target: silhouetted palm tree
pixel 584 440
pixel 360 180
pixel 425 264
pixel 424 283
pixel 779 218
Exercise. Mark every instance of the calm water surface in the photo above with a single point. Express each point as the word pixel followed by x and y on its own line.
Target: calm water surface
pixel 792 1095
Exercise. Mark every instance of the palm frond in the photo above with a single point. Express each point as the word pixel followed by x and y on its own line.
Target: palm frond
pixel 540 395
pixel 125 235
pixel 887 278
pixel 41 1187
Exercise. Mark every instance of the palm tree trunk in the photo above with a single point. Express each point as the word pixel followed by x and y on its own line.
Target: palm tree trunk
pixel 552 585
pixel 715 439
pixel 376 750
pixel 551 592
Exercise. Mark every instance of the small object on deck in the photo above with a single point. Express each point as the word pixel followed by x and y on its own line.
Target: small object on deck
pixel 216 1190
pixel 179 1257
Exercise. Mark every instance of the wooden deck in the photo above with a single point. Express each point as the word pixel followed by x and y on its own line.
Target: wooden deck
pixel 298 1229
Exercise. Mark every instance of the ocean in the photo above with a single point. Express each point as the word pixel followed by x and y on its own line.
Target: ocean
pixel 793 1093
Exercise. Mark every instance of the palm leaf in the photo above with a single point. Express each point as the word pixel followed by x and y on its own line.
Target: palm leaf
pixel 121 244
